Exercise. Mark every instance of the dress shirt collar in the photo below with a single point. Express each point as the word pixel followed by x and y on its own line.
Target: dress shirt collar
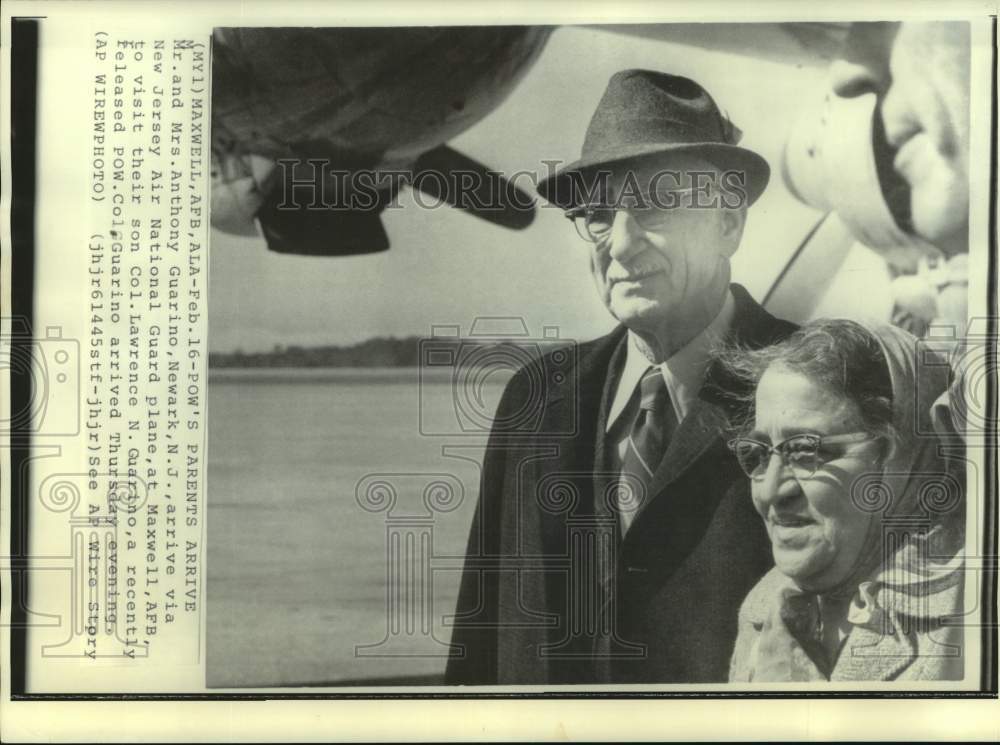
pixel 684 372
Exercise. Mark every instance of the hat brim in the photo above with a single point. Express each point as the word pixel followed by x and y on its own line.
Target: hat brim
pixel 561 188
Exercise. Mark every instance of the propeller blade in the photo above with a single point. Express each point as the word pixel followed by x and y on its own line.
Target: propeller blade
pixel 448 175
pixel 322 232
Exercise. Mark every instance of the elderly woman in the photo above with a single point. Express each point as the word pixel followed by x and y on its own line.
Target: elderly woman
pixel 864 514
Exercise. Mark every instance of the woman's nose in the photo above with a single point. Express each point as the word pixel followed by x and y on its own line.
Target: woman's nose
pixel 778 482
pixel 627 237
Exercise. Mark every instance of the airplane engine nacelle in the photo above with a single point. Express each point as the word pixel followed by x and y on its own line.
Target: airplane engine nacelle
pixel 380 93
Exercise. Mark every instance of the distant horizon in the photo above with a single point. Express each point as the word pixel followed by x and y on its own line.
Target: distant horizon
pixel 279 348
pixel 392 352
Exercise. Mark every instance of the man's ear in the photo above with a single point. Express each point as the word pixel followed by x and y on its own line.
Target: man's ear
pixel 733 222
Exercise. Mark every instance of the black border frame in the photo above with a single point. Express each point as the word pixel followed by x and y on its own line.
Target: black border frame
pixel 24 81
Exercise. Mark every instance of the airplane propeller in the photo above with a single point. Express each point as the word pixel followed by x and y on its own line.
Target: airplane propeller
pixel 357 101
pixel 470 186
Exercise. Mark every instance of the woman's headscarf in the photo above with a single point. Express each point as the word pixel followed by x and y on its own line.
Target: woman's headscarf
pixel 916 497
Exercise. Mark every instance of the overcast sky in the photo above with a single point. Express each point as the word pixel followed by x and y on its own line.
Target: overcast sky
pixel 446 267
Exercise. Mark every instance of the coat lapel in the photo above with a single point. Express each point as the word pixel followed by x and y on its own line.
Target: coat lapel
pixel 873 650
pixel 874 654
pixel 584 401
pixel 702 427
pixel 605 461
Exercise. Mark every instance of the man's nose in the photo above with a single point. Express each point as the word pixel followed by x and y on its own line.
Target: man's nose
pixel 778 483
pixel 627 237
pixel 863 65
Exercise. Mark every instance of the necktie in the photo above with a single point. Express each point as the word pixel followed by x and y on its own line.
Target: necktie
pixel 646 443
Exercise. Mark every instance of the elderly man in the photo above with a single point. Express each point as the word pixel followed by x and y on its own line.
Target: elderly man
pixel 614 538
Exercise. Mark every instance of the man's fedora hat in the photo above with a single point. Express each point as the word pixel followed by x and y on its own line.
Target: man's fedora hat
pixel 644 113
